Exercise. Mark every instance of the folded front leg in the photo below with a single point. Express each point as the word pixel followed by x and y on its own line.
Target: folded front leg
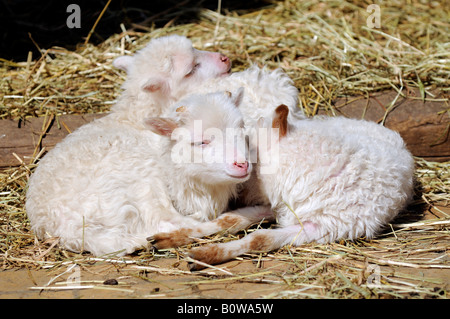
pixel 231 222
pixel 262 240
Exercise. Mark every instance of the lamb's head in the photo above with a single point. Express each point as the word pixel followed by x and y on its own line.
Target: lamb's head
pixel 169 67
pixel 205 138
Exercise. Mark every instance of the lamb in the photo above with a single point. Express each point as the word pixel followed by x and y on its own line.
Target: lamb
pixel 161 73
pixel 158 75
pixel 334 178
pixel 184 71
pixel 105 188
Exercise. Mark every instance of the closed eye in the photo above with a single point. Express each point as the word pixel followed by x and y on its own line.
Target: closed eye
pixel 190 73
pixel 201 143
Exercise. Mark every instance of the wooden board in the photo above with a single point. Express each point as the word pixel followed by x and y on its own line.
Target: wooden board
pixel 24 137
pixel 423 125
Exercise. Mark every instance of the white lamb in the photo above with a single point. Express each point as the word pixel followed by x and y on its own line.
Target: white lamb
pixel 334 178
pixel 158 75
pixel 151 84
pixel 105 188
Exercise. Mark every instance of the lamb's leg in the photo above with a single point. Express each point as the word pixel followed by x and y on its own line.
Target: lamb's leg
pixel 231 222
pixel 262 240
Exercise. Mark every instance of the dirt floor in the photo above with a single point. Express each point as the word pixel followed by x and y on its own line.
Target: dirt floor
pixel 106 280
pixel 135 283
pixel 249 277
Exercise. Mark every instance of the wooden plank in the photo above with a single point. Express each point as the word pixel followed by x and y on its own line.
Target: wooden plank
pixel 23 138
pixel 423 125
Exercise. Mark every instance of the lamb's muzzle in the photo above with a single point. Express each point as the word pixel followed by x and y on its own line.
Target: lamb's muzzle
pixel 239 170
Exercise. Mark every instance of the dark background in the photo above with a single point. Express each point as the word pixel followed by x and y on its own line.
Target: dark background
pixel 46 20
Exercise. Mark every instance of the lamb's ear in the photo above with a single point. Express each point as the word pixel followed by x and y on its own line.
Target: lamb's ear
pixel 238 97
pixel 155 84
pixel 123 62
pixel 160 125
pixel 280 119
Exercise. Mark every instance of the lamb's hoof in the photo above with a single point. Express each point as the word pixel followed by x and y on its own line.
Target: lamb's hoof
pixel 151 245
pixel 171 239
pixel 193 266
pixel 151 242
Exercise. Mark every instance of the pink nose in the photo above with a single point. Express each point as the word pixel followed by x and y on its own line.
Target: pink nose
pixel 241 166
pixel 224 58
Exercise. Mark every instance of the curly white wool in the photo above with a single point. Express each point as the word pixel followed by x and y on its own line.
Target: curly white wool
pixel 105 188
pixel 342 178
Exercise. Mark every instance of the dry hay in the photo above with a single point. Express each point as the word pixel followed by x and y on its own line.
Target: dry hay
pixel 337 270
pixel 326 47
pixel 329 51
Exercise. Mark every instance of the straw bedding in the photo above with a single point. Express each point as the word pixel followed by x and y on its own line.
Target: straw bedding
pixel 330 52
